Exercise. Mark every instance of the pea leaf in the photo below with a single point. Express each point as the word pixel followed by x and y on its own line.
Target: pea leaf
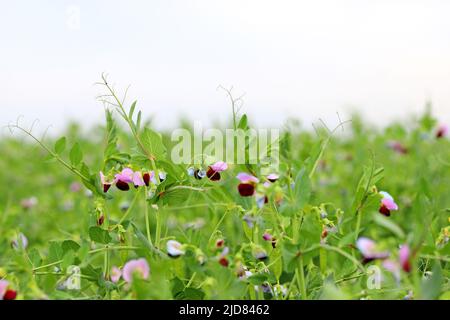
pixel 99 235
pixel 152 144
pixel 302 189
pixel 60 145
pixel 76 155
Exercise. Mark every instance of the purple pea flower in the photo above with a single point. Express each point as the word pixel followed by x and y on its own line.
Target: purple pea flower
pixel 369 251
pixel 403 262
pixel 248 183
pixel 124 178
pixel 213 172
pixel 387 204
pixel 21 242
pixel 273 177
pixel 175 249
pixel 442 131
pixel 139 267
pixel 138 179
pixel 5 292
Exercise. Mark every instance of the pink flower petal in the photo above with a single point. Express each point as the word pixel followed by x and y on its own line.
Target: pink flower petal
pixel 3 287
pixel 245 178
pixel 219 166
pixel 389 204
pixel 139 266
pixel 138 180
pixel 116 274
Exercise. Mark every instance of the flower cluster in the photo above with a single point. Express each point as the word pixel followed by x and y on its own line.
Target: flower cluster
pixel 127 176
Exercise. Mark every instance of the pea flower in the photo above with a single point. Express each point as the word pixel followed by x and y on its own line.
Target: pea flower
pixel 404 255
pixel 387 204
pixel 223 260
pixel 213 172
pixel 273 177
pixel 124 178
pixel 29 203
pixel 248 184
pixel 116 274
pixel 220 243
pixel 148 176
pixel 261 200
pixel 138 179
pixel 5 292
pixel 442 131
pixel 368 249
pixel 403 262
pixel 268 237
pixel 198 174
pixel 174 249
pixel 20 242
pixel 162 176
pixel 260 254
pixel 139 267
pixel 106 184
pixel 397 146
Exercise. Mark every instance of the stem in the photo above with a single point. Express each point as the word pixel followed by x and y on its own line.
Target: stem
pixel 158 229
pixel 147 220
pixel 301 279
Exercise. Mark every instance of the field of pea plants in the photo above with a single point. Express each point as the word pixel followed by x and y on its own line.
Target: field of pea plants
pixel 352 212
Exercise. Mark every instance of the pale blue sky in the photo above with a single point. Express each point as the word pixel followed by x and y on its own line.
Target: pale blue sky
pixel 306 59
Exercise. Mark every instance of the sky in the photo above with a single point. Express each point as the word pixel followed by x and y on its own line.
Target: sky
pixel 303 59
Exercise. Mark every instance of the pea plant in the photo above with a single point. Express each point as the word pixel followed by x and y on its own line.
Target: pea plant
pixel 351 213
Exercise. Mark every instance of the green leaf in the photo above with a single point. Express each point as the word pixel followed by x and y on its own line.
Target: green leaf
pixel 432 286
pixel 60 145
pixel 55 252
pixel 99 235
pixel 243 122
pixel 68 245
pixel 132 108
pixel 68 259
pixel 257 279
pixel 302 189
pixel 76 155
pixel 152 144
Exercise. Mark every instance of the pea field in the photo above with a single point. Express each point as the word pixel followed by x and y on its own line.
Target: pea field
pixel 352 212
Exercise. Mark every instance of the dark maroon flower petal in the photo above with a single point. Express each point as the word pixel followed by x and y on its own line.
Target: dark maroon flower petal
pixel 220 243
pixel 224 262
pixel 121 185
pixel 385 211
pixel 146 178
pixel 213 175
pixel 246 189
pixel 101 220
pixel 10 295
pixel 106 187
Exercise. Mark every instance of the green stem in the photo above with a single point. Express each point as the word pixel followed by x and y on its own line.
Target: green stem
pixel 301 279
pixel 158 229
pixel 147 219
